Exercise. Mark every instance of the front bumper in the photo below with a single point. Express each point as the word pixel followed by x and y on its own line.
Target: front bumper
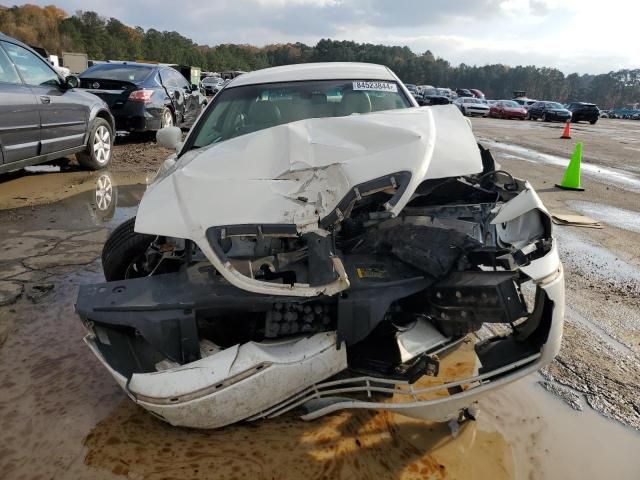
pixel 227 387
pixel 441 404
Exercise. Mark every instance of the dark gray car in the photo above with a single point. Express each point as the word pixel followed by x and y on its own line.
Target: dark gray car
pixel 43 118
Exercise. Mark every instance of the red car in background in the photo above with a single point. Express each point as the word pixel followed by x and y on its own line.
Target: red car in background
pixel 476 93
pixel 507 109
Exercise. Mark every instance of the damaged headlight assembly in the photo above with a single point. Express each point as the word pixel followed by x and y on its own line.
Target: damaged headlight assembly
pixel 325 264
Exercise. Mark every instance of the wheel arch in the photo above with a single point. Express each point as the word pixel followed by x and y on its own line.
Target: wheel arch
pixel 99 112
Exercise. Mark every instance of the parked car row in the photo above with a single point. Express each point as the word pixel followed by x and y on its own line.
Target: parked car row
pixel 622 113
pixel 546 111
pixel 44 116
pixel 420 91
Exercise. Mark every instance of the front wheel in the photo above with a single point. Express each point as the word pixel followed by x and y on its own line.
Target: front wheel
pixel 97 155
pixel 124 253
pixel 167 118
pixel 593 122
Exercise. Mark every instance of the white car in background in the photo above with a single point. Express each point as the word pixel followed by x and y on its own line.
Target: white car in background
pixel 470 106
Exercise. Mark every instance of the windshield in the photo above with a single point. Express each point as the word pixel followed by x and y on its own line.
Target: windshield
pixel 430 91
pixel 212 80
pixel 123 73
pixel 510 104
pixel 241 110
pixel 554 105
pixel 471 100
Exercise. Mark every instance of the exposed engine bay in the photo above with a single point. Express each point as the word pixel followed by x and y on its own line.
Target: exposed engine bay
pixel 382 297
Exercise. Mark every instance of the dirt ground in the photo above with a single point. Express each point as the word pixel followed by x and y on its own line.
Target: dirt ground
pixel 62 416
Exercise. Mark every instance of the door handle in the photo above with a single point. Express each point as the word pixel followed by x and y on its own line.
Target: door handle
pixel 45 99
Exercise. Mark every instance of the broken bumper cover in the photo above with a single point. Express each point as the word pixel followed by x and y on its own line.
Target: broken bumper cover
pixel 233 384
pixel 266 379
pixel 329 397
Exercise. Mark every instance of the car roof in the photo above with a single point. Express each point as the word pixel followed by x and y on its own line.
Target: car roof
pixel 128 64
pixel 315 71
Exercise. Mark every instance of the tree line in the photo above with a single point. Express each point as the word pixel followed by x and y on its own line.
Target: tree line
pixel 108 38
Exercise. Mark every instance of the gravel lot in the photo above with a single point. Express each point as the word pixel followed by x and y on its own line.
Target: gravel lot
pixel 62 416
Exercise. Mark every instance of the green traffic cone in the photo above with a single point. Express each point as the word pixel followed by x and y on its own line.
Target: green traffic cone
pixel 571 179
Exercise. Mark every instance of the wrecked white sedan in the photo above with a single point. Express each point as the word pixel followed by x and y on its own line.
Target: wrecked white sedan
pixel 318 243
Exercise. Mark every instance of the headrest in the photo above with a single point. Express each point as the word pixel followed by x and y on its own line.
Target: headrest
pixel 264 112
pixel 355 102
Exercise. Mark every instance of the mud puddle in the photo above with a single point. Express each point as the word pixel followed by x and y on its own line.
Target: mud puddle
pixel 608 176
pixel 23 189
pixel 617 217
pixel 551 440
pixel 100 199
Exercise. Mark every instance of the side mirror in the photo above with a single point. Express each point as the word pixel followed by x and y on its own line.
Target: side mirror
pixel 170 137
pixel 71 81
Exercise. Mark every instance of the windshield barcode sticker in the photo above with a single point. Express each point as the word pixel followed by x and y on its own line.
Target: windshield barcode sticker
pixel 377 86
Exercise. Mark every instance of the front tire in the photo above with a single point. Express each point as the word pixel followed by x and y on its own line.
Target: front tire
pixel 99 146
pixel 593 122
pixel 123 254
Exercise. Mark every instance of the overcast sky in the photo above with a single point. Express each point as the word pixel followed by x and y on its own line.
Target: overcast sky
pixel 582 36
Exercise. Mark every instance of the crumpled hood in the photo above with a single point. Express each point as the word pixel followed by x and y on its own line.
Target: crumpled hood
pixel 297 173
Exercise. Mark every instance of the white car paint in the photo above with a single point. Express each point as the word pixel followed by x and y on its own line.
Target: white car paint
pixel 319 160
pixel 315 71
pixel 472 106
pixel 258 178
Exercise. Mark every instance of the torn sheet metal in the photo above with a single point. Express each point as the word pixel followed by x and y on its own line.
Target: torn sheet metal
pixel 250 179
pixel 297 173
